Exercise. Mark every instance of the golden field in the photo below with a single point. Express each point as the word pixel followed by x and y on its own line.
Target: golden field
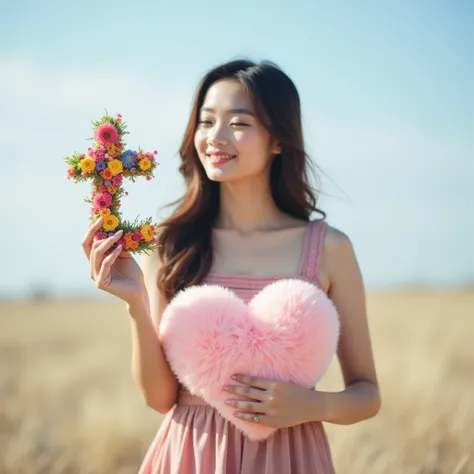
pixel 69 404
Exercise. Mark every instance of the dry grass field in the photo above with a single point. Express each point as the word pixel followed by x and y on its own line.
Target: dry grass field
pixel 69 405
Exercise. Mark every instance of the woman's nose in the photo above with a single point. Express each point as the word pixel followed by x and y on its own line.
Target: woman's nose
pixel 217 136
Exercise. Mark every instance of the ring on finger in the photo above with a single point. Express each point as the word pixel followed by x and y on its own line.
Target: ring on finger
pixel 256 419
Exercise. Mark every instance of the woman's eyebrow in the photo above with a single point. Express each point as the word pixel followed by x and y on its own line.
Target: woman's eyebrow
pixel 230 111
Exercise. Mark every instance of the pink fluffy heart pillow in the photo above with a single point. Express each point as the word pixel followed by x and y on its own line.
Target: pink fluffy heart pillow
pixel 288 332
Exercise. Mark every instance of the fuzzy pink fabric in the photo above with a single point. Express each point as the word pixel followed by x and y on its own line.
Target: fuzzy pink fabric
pixel 289 331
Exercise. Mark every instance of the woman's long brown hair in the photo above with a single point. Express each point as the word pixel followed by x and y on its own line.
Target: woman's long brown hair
pixel 185 238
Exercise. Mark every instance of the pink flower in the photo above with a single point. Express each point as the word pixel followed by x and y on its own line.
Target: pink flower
pixel 155 152
pixel 98 156
pixel 117 180
pixel 102 200
pixel 100 236
pixel 119 115
pixel 137 236
pixel 106 133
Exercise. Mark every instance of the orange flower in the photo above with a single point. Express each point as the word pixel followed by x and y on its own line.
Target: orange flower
pixel 106 174
pixel 129 242
pixel 105 212
pixel 112 150
pixel 111 189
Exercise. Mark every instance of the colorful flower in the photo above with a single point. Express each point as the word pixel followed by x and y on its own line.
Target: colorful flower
pixel 129 242
pixel 129 158
pixel 148 232
pixel 100 236
pixel 97 154
pixel 117 180
pixel 106 174
pixel 115 166
pixel 110 223
pixel 106 133
pixel 87 165
pixel 102 200
pixel 104 212
pixel 105 165
pixel 113 150
pixel 144 164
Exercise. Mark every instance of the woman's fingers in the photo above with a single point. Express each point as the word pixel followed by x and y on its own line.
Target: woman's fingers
pixel 88 239
pixel 248 406
pixel 103 278
pixel 98 251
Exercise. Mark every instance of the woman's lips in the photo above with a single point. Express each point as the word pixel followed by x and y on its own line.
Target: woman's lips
pixel 220 159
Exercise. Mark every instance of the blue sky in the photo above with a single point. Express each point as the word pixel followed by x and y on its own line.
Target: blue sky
pixel 387 98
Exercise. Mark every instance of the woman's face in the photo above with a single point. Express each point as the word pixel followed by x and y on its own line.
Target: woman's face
pixel 230 141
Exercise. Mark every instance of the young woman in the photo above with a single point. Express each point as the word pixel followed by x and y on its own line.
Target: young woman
pixel 243 222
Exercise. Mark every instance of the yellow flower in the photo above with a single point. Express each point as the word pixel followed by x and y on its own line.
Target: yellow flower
pixel 115 166
pixel 87 164
pixel 111 189
pixel 104 212
pixel 147 233
pixel 144 164
pixel 110 223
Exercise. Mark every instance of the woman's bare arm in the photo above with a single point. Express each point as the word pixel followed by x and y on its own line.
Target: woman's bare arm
pixel 150 369
pixel 360 399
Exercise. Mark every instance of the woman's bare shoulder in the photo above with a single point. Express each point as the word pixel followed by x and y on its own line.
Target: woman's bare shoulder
pixel 335 237
pixel 336 257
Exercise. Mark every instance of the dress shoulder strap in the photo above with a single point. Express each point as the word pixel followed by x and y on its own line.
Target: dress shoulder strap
pixel 313 248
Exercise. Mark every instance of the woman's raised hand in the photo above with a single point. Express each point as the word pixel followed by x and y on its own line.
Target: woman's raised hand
pixel 116 272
